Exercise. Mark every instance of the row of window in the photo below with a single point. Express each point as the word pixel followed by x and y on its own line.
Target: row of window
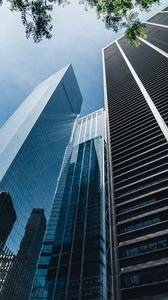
pixel 145 277
pixel 145 184
pixel 139 225
pixel 153 186
pixel 134 206
pixel 146 247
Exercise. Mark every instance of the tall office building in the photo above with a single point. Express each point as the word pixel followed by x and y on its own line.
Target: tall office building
pixel 7 220
pixel 6 262
pixel 32 146
pixel 7 217
pixel 136 99
pixel 22 270
pixel 75 260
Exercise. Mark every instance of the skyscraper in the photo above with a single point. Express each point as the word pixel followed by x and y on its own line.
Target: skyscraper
pixel 7 220
pixel 21 273
pixel 6 262
pixel 7 217
pixel 75 261
pixel 32 146
pixel 136 100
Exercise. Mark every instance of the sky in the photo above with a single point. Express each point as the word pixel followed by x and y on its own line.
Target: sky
pixel 78 38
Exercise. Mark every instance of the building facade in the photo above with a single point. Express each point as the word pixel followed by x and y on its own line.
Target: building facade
pixel 7 217
pixel 136 100
pixel 75 261
pixel 6 263
pixel 21 272
pixel 32 147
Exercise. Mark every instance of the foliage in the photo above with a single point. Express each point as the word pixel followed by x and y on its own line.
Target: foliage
pixel 36 18
pixel 122 13
pixel 134 31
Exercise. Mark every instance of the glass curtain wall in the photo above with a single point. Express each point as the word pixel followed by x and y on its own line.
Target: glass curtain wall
pixel 32 147
pixel 75 261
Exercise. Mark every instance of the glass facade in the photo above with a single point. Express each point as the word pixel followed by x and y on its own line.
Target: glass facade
pixel 139 225
pixel 145 276
pixel 75 260
pixel 7 217
pixel 146 246
pixel 20 273
pixel 90 126
pixel 33 143
pixel 137 117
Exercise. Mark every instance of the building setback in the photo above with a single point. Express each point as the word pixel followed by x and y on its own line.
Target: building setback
pixel 136 99
pixel 75 261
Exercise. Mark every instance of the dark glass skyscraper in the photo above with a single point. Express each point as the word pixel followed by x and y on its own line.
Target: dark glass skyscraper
pixel 75 261
pixel 136 99
pixel 7 217
pixel 22 270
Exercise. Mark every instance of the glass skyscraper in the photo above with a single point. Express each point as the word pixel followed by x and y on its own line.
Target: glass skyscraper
pixel 136 99
pixel 75 261
pixel 7 217
pixel 32 147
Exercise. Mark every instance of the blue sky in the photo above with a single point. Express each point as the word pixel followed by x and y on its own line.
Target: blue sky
pixel 78 37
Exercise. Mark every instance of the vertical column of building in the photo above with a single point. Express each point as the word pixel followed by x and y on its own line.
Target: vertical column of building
pixel 136 83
